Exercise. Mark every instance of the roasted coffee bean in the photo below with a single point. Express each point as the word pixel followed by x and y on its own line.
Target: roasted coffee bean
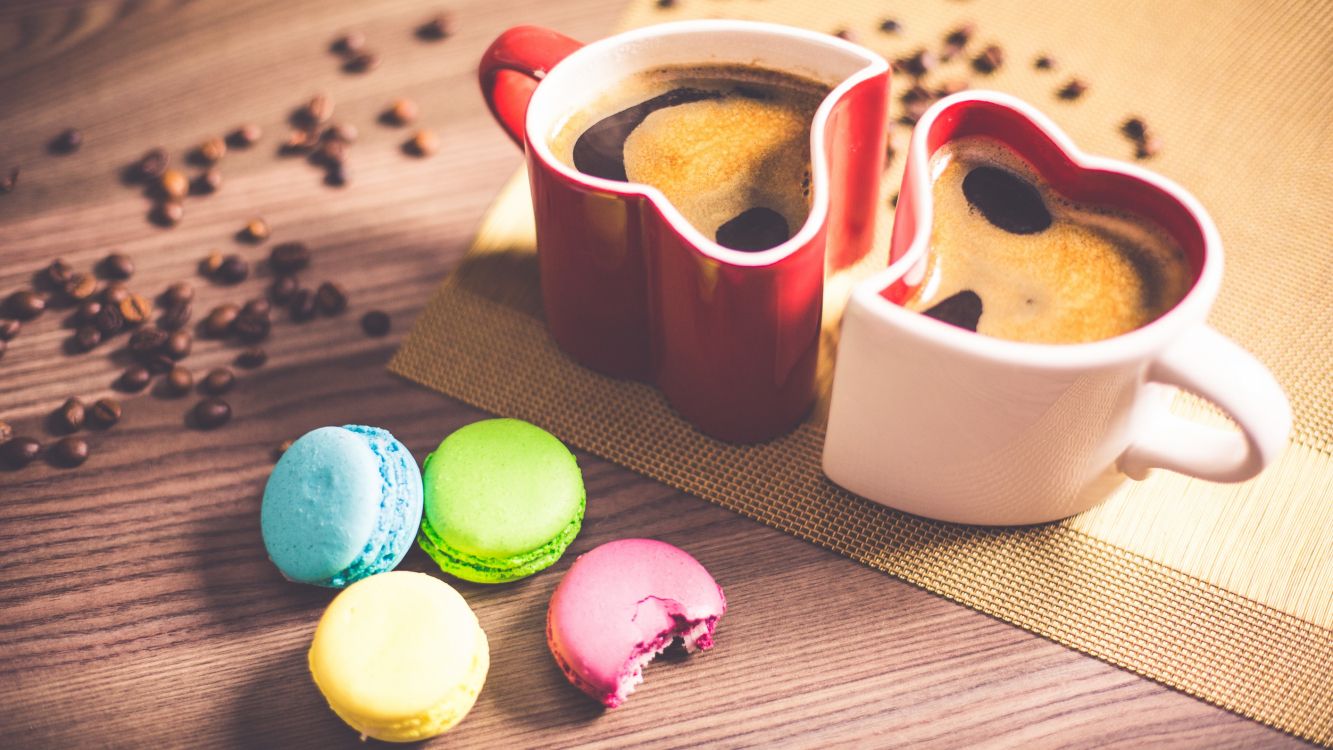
pixel 257 306
pixel 890 26
pixel 87 337
pixel 87 312
pixel 104 412
pixel 181 291
pixel 918 63
pixel 252 358
pixel 176 316
pixel 340 132
pixel 990 59
pixel 56 275
pixel 20 451
pixel 26 304
pixel 338 175
pixel 67 142
pixel 1072 90
pixel 252 327
pixel 206 182
pixel 117 266
pixel 423 143
pixel 219 321
pixel 256 230
pixel 666 4
pixel 81 287
pixel 289 257
pixel 173 184
pixel 178 381
pixel 135 309
pixel 439 27
pixel 1148 147
pixel 9 181
pixel 9 328
pixel 317 111
pixel 211 413
pixel 108 321
pixel 362 62
pixel 134 379
pixel 151 165
pixel 1006 200
pixel 1134 128
pixel 70 451
pixel 158 363
pixel 233 270
pixel 1044 62
pixel 6 432
pixel 69 417
pixel 962 309
pixel 211 150
pixel 400 112
pixel 282 289
pixel 218 381
pixel 302 305
pixel 147 340
pixel 330 153
pixel 349 44
pixel 375 323
pixel 178 345
pixel 168 213
pixel 245 136
pixel 331 298
pixel 300 142
pixel 115 293
pixel 211 263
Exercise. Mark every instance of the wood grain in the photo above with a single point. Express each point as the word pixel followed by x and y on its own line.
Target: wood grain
pixel 136 605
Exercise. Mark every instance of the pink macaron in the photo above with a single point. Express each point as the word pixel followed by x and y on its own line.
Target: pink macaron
pixel 623 603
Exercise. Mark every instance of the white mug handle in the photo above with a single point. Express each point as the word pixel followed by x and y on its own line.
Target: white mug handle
pixel 1210 365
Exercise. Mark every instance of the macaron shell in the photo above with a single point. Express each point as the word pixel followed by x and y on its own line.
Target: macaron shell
pixel 400 656
pixel 621 603
pixel 321 504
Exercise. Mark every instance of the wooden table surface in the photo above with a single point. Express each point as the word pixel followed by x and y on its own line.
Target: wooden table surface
pixel 137 608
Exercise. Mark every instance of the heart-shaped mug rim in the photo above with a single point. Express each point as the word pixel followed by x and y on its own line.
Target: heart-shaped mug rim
pixel 869 295
pixel 544 108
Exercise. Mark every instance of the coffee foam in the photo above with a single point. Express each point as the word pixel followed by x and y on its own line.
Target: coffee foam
pixel 1093 274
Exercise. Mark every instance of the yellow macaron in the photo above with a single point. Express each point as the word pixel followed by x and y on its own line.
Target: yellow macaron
pixel 400 656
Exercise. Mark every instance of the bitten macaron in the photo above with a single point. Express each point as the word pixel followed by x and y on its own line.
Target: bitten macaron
pixel 399 656
pixel 504 498
pixel 343 503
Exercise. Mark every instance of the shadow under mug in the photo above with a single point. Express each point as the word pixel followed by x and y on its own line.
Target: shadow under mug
pixel 949 424
pixel 629 287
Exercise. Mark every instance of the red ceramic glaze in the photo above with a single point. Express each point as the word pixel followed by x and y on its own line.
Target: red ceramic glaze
pixel 732 339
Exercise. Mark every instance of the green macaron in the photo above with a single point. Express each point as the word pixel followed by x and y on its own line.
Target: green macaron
pixel 503 499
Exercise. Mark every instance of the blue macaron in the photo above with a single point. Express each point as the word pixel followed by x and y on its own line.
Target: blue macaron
pixel 343 503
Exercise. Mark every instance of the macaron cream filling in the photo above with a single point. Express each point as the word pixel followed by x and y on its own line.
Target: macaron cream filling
pixel 390 540
pixel 501 569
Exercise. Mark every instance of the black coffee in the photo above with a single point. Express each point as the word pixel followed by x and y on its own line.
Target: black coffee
pixel 728 145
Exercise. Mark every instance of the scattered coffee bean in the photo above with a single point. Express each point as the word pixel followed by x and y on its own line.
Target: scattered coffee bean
pixel 423 143
pixel 87 312
pixel 918 63
pixel 256 230
pixel 158 363
pixel 233 270
pixel 252 327
pixel 317 111
pixel 340 132
pixel 299 142
pixel 56 275
pixel 67 141
pixel 350 43
pixel 104 412
pixel 20 451
pixel 9 328
pixel 70 451
pixel 962 309
pixel 87 337
pixel 890 26
pixel 81 287
pixel 178 381
pixel 108 321
pixel 206 182
pixel 168 213
pixel 956 41
pixel 211 150
pixel 6 432
pixel 178 345
pixel 176 316
pixel 1044 62
pixel 135 309
pixel 440 27
pixel 117 266
pixel 147 340
pixel 115 293
pixel 1072 90
pixel 289 257
pixel 26 304
pixel 845 34
pixel 151 165
pixel 252 358
pixel 990 59
pixel 173 184
pixel 362 62
pixel 338 175
pixel 281 449
pixel 331 298
pixel 219 321
pixel 211 263
pixel 211 413
pixel 181 291
pixel 282 289
pixel 1006 200
pixel 1134 128
pixel 375 323
pixel 9 181
pixel 665 4
pixel 1148 147
pixel 134 379
pixel 245 136
pixel 330 153
pixel 69 417
pixel 401 112
pixel 218 381
pixel 302 305
pixel 257 306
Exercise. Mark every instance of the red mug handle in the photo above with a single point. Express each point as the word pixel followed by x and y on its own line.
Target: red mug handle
pixel 512 67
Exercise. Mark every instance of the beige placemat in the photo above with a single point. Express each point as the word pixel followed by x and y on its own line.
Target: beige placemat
pixel 1222 591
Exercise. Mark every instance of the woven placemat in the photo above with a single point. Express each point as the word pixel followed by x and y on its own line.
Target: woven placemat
pixel 1222 591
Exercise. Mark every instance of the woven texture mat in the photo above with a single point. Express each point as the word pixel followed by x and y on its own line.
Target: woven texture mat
pixel 1222 591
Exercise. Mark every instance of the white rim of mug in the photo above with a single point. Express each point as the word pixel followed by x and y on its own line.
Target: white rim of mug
pixel 874 65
